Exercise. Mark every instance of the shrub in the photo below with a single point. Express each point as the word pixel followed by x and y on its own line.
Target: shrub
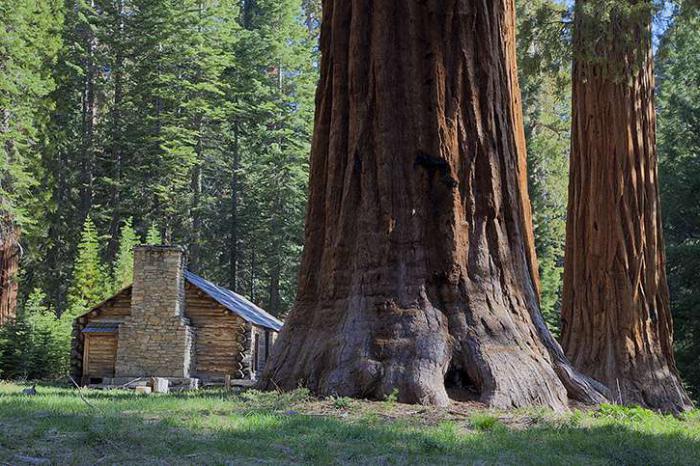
pixel 37 344
pixel 393 397
pixel 340 402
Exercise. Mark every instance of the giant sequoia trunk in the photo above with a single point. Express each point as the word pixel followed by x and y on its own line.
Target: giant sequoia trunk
pixel 9 265
pixel 419 267
pixel 616 322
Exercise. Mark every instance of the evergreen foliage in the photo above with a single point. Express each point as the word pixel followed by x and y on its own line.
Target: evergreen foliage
pixel 190 116
pixel 123 273
pixel 28 46
pixel 679 154
pixel 189 122
pixel 543 57
pixel 37 344
pixel 153 236
pixel 90 283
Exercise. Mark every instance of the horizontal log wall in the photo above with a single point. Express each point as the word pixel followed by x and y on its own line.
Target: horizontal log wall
pixel 220 343
pixel 114 309
pixel 100 355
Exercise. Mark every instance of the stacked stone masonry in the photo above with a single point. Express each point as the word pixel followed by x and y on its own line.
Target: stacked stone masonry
pixel 156 339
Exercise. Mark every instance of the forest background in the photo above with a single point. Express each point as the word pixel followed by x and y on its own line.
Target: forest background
pixel 189 122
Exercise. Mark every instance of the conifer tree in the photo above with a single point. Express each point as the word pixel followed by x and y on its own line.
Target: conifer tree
pixel 123 273
pixel 616 314
pixel 90 283
pixel 153 235
pixel 679 172
pixel 28 47
pixel 69 154
pixel 544 48
pixel 269 128
pixel 49 336
pixel 37 344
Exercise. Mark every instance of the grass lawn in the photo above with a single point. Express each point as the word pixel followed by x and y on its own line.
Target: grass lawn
pixel 212 427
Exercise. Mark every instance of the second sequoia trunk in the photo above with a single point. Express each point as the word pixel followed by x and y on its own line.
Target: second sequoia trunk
pixel 418 269
pixel 616 321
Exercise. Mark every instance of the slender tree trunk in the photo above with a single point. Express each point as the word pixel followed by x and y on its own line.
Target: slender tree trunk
pixel 89 117
pixel 417 265
pixel 57 250
pixel 196 211
pixel 276 224
pixel 197 222
pixel 233 227
pixel 616 321
pixel 275 300
pixel 117 131
pixel 253 272
pixel 248 12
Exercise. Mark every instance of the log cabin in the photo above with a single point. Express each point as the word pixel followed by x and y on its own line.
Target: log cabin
pixel 173 324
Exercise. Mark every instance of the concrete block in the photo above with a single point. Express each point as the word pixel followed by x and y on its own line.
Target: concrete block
pixel 143 390
pixel 160 385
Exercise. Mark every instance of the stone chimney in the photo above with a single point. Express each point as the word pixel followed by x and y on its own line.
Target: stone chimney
pixel 156 340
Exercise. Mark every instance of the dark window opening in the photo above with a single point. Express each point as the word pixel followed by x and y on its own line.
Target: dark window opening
pixel 459 386
pixel 95 380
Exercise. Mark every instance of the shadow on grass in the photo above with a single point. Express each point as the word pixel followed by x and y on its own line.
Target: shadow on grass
pixel 131 433
pixel 68 392
pixel 327 441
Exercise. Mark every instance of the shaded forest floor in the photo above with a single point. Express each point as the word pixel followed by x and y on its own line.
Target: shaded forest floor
pixel 213 427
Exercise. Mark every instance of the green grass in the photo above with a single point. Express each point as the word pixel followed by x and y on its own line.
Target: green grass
pixel 213 427
pixel 484 421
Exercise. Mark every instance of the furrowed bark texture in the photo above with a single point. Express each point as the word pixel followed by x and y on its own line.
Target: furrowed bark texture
pixel 9 266
pixel 616 321
pixel 419 259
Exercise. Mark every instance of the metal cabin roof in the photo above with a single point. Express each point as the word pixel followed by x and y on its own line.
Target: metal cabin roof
pixel 101 327
pixel 235 303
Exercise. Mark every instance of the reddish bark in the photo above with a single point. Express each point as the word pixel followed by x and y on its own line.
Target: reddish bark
pixel 9 266
pixel 616 320
pixel 419 260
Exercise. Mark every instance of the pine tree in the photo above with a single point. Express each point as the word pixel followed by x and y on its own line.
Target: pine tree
pixel 48 354
pixel 123 273
pixel 269 132
pixel 544 61
pixel 28 47
pixel 37 344
pixel 69 154
pixel 678 68
pixel 153 236
pixel 90 283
